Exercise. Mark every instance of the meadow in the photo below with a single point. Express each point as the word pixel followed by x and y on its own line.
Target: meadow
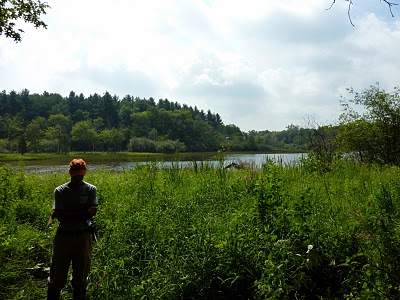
pixel 206 232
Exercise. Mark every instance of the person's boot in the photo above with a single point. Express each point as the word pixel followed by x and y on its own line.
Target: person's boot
pixel 79 294
pixel 53 294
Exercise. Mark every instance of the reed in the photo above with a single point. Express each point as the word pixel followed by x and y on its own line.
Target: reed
pixel 278 232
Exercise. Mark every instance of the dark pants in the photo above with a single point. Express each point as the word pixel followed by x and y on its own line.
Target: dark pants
pixel 75 248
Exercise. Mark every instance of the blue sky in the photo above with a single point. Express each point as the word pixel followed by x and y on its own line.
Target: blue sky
pixel 262 65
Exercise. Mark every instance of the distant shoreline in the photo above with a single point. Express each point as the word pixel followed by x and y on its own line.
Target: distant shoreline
pixel 51 158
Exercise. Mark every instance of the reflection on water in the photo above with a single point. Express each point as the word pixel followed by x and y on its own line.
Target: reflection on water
pixel 256 160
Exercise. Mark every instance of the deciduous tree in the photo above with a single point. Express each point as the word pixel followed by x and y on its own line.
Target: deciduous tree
pixel 29 11
pixel 59 132
pixel 84 137
pixel 34 133
pixel 371 124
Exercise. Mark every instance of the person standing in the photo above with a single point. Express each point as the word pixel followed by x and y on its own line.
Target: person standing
pixel 75 204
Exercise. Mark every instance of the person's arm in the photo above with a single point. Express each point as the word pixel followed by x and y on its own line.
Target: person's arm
pixel 74 215
pixel 92 210
pixel 92 202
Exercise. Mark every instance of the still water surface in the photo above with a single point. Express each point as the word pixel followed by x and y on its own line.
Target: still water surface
pixel 256 160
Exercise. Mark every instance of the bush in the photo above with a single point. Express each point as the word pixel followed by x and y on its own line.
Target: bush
pixel 3 146
pixel 169 146
pixel 148 145
pixel 141 145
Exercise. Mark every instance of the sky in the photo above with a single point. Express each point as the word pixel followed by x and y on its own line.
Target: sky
pixel 261 65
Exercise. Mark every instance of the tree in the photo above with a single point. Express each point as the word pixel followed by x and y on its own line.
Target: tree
pixel 34 133
pixel 374 132
pixel 110 108
pixel 324 143
pixel 182 126
pixel 30 11
pixel 73 103
pixel 22 146
pixel 390 5
pixel 56 140
pixel 112 139
pixel 84 137
pixel 59 132
pixel 3 103
pixel 125 111
pixel 359 138
pixel 98 124
pixel 251 144
pixel 95 107
pixel 153 134
pixel 141 123
pixel 12 127
pixel 13 104
pixel 26 108
pixel 63 121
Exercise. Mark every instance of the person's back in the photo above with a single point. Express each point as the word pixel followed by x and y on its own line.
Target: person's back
pixel 75 203
pixel 74 199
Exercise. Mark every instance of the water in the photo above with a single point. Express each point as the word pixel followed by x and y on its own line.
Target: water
pixel 255 160
pixel 258 159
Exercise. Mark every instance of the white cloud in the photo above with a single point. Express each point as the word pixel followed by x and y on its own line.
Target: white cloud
pixel 261 65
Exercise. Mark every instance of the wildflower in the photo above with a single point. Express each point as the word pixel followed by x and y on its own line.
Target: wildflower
pixel 280 242
pixel 309 248
pixel 354 214
pixel 359 235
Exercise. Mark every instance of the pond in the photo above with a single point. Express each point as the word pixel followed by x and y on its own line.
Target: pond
pixel 255 160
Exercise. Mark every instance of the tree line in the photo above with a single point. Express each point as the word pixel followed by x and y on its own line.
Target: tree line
pixel 368 129
pixel 48 122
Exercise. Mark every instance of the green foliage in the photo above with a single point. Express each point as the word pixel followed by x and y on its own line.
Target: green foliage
pixel 149 145
pixel 213 233
pixel 25 245
pixel 29 11
pixel 142 145
pixel 84 135
pixel 111 139
pixel 50 123
pixel 5 186
pixel 3 145
pixel 371 125
pixel 169 146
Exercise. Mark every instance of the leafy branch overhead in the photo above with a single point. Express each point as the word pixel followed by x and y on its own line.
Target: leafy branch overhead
pixel 11 11
pixel 390 5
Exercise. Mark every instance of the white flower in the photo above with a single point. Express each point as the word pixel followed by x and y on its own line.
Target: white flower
pixel 309 248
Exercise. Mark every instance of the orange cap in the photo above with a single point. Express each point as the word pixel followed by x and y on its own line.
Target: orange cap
pixel 77 166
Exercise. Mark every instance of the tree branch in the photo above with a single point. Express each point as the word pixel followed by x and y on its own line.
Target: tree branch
pixel 348 11
pixel 390 5
pixel 331 5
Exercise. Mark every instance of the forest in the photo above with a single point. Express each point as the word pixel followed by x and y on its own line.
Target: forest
pixel 51 123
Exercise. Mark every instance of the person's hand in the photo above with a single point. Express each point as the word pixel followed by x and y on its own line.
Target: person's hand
pixel 92 211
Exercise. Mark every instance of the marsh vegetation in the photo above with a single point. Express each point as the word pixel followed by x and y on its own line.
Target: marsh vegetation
pixel 207 232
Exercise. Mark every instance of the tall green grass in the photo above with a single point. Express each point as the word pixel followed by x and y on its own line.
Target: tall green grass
pixel 210 233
